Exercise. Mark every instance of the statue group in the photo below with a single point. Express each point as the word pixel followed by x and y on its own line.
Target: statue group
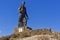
pixel 23 17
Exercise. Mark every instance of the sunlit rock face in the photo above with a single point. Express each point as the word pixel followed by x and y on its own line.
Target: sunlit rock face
pixel 28 34
pixel 20 30
pixel 37 37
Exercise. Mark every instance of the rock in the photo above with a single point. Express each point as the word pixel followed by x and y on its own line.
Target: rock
pixel 39 34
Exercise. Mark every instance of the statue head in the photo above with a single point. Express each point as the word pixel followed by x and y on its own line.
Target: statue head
pixel 23 3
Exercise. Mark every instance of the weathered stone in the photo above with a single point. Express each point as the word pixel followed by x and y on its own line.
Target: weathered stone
pixel 40 34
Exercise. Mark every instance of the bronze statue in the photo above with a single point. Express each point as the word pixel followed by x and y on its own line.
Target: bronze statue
pixel 23 15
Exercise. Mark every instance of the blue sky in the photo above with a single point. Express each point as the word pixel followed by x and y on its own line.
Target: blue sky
pixel 42 14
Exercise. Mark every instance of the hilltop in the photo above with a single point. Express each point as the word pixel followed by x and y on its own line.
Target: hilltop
pixel 39 34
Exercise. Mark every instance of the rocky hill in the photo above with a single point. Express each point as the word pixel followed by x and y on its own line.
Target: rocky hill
pixel 39 34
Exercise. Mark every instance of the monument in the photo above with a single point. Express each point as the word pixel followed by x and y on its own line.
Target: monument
pixel 22 32
pixel 23 17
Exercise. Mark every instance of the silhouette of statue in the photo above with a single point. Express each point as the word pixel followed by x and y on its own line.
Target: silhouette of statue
pixel 23 15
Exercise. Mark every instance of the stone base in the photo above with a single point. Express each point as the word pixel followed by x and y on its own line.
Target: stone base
pixel 21 29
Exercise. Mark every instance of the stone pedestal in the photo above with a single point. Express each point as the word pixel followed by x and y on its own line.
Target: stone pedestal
pixel 21 29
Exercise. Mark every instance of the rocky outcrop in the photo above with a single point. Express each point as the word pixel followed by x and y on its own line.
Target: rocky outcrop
pixel 39 34
pixel 37 37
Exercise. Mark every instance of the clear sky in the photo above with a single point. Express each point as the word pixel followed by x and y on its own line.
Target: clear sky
pixel 42 14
